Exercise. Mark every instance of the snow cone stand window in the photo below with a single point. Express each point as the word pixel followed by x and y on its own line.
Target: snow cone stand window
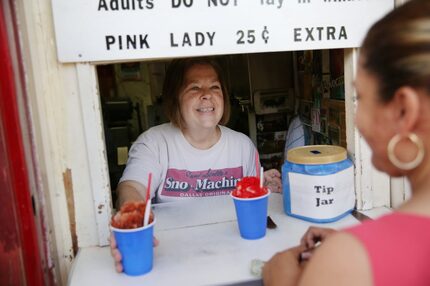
pixel 94 34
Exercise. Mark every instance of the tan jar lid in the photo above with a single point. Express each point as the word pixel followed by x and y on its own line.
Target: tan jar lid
pixel 316 154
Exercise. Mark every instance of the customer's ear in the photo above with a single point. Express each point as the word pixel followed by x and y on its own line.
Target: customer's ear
pixel 406 108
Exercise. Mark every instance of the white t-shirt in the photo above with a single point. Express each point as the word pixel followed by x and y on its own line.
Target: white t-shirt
pixel 181 171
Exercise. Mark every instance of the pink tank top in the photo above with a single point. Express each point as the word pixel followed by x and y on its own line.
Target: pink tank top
pixel 398 247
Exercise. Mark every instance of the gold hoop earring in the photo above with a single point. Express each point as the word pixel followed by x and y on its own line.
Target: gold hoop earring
pixel 408 165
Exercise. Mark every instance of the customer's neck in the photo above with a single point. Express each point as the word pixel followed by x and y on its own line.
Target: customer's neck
pixel 419 203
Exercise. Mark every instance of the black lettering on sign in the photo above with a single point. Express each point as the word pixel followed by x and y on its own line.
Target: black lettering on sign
pixel 179 3
pixel 127 42
pixel 110 40
pixel 309 36
pixel 123 5
pixel 278 3
pixel 221 2
pixel 322 202
pixel 324 190
pixel 297 34
pixel 195 39
pixel 313 34
pixel 248 35
pixel 340 1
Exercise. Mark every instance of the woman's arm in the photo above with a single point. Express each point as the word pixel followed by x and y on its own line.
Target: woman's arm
pixel 130 191
pixel 340 260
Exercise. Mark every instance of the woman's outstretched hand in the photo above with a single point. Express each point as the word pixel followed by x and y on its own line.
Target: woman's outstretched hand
pixel 116 254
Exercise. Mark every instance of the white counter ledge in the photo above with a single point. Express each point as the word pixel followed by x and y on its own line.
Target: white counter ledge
pixel 199 245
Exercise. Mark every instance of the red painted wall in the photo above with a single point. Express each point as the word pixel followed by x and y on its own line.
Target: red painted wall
pixel 20 262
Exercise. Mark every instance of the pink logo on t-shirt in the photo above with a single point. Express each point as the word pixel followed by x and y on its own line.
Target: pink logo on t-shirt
pixel 184 183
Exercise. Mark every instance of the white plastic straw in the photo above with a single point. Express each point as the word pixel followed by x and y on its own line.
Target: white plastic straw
pixel 148 201
pixel 147 212
pixel 261 177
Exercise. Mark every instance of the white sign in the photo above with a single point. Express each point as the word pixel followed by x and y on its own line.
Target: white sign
pixel 322 197
pixel 103 30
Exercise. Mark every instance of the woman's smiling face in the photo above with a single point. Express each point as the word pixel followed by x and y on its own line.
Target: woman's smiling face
pixel 201 98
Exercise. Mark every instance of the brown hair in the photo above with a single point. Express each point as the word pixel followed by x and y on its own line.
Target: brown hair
pixel 397 49
pixel 174 80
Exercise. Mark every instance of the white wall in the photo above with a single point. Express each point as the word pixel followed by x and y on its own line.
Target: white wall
pixel 372 187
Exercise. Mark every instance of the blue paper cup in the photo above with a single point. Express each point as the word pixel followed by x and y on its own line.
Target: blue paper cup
pixel 252 216
pixel 136 247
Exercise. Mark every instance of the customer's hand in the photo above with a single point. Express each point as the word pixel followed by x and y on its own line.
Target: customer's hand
pixel 284 268
pixel 116 254
pixel 315 235
pixel 272 180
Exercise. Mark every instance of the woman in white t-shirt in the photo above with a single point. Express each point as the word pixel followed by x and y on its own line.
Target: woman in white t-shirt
pixel 193 155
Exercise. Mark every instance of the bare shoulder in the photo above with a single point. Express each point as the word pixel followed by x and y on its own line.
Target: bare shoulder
pixel 340 260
